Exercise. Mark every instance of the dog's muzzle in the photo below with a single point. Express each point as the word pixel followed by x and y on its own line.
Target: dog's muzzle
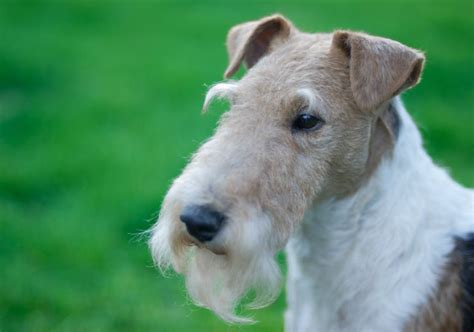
pixel 202 221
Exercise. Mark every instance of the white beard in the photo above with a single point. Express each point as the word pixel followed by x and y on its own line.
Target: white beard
pixel 220 281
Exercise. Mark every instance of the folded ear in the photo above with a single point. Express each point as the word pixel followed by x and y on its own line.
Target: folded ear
pixel 379 68
pixel 248 42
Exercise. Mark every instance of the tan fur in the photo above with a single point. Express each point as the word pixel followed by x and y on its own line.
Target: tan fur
pixel 382 140
pixel 379 68
pixel 248 42
pixel 399 68
pixel 443 311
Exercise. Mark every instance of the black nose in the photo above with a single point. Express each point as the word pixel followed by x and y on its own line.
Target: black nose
pixel 202 221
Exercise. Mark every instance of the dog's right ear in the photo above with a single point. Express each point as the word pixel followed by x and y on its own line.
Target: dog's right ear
pixel 250 41
pixel 379 68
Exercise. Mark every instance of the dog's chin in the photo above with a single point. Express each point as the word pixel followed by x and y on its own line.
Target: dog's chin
pixel 218 278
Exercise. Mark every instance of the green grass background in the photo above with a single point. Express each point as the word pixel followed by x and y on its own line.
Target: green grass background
pixel 99 110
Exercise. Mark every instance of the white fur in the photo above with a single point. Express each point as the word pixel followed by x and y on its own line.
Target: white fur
pixel 216 281
pixel 367 262
pixel 309 96
pixel 219 90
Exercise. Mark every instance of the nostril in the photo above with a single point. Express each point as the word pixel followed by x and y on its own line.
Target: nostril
pixel 202 221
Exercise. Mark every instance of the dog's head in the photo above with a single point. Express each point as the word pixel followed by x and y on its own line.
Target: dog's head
pixel 307 122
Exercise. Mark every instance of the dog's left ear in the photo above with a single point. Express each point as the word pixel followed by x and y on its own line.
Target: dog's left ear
pixel 379 68
pixel 250 41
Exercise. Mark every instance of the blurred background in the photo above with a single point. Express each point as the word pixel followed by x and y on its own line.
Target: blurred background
pixel 100 109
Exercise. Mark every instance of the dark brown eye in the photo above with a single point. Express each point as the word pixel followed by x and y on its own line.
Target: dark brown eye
pixel 306 121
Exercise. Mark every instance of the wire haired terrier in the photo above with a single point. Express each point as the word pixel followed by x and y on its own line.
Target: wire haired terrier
pixel 317 154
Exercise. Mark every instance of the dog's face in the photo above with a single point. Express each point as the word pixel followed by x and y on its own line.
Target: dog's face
pixel 306 123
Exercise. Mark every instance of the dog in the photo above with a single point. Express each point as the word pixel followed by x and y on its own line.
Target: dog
pixel 318 154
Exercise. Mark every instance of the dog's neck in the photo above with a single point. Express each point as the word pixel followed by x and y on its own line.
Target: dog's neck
pixel 369 261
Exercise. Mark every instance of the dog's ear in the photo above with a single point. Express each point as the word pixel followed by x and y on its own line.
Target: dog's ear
pixel 379 68
pixel 248 42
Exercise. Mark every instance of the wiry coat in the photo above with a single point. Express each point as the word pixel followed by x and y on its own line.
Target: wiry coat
pixel 372 261
pixel 370 220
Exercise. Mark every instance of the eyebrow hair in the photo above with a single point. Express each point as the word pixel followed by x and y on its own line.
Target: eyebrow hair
pixel 309 96
pixel 219 91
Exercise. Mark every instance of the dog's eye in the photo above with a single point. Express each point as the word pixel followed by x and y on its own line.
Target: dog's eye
pixel 306 122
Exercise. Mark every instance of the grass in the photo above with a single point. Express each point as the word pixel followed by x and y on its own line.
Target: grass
pixel 99 109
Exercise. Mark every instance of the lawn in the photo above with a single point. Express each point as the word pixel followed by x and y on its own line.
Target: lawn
pixel 100 109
